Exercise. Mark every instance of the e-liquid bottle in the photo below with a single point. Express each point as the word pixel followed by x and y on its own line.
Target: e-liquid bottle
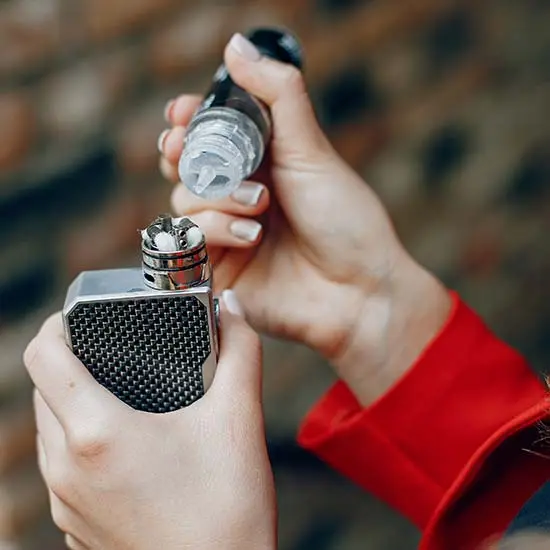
pixel 228 135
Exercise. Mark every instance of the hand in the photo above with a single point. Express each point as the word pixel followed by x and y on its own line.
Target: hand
pixel 308 247
pixel 119 479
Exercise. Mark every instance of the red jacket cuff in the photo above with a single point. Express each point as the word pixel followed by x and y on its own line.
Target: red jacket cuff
pixel 410 446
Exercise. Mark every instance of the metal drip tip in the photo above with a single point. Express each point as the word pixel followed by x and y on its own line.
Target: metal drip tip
pixel 174 255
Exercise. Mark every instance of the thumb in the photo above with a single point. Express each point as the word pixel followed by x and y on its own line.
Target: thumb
pixel 281 86
pixel 239 370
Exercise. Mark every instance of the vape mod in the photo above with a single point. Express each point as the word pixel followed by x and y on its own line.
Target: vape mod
pixel 227 137
pixel 149 334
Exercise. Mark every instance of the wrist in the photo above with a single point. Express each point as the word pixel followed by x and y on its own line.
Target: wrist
pixel 393 327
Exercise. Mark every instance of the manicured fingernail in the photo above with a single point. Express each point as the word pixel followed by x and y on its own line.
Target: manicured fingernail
pixel 248 194
pixel 168 110
pixel 247 230
pixel 245 48
pixel 162 140
pixel 232 303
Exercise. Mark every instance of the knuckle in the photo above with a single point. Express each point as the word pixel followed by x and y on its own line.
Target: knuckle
pixel 90 441
pixel 240 69
pixel 293 80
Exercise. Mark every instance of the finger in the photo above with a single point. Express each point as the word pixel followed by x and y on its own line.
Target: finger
pixel 68 521
pixel 250 199
pixel 42 458
pixel 170 144
pixel 229 267
pixel 282 87
pixel 51 437
pixel 67 518
pixel 64 383
pixel 215 254
pixel 168 171
pixel 74 544
pixel 179 111
pixel 63 516
pixel 239 365
pixel 224 230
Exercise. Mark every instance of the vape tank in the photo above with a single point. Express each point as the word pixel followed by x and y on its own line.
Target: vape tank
pixel 149 335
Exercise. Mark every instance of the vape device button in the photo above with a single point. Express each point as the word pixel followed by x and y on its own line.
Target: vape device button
pixel 217 311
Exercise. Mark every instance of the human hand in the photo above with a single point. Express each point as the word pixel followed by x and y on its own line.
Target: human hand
pixel 119 478
pixel 308 247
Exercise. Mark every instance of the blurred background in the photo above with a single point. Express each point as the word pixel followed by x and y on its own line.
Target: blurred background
pixel 443 106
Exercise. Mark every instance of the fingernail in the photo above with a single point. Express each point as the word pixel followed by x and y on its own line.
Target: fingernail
pixel 162 140
pixel 247 230
pixel 168 110
pixel 245 48
pixel 232 303
pixel 248 194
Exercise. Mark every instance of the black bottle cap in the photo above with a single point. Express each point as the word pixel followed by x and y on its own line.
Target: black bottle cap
pixel 278 44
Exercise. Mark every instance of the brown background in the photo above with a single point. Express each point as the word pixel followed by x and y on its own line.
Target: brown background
pixel 443 105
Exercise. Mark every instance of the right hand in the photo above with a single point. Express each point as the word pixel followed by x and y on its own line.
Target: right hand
pixel 326 267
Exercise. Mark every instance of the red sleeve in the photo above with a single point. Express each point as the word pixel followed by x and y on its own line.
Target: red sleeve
pixel 450 446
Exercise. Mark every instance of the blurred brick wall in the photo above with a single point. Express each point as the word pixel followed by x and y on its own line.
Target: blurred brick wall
pixel 441 104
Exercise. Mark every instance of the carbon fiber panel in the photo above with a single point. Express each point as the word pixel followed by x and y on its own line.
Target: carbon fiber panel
pixel 148 352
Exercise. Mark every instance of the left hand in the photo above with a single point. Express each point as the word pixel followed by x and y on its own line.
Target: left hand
pixel 118 478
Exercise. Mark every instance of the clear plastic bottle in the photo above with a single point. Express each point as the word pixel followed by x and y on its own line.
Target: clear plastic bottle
pixel 227 137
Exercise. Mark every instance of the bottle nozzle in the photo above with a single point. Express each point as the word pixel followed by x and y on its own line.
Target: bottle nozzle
pixel 206 176
pixel 219 153
pixel 210 168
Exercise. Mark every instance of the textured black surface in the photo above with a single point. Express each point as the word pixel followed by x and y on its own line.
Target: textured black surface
pixel 148 352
